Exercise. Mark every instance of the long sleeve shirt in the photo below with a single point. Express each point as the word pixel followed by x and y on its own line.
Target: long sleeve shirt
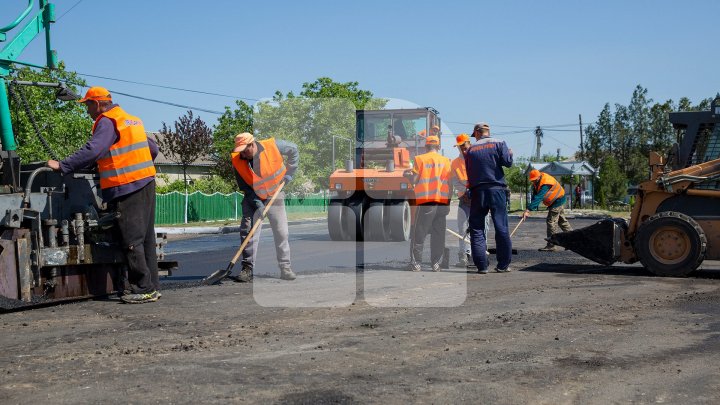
pixel 292 159
pixel 103 137
pixel 484 162
pixel 537 199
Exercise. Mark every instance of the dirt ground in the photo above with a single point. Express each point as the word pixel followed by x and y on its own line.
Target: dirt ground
pixel 557 329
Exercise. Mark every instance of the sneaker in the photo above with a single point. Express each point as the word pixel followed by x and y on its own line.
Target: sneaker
pixel 436 267
pixel 140 298
pixel 414 267
pixel 287 274
pixel 483 271
pixel 505 270
pixel 159 294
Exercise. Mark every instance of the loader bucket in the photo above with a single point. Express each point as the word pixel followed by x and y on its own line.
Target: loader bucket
pixel 599 242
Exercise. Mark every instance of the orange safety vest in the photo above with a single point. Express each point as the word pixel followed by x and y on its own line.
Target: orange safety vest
pixel 433 184
pixel 272 169
pixel 556 190
pixel 129 159
pixel 458 171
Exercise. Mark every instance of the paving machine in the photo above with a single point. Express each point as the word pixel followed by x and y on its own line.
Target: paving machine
pixel 370 199
pixel 675 223
pixel 57 237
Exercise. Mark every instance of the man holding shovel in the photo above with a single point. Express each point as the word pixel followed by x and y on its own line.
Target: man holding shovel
pixel 260 169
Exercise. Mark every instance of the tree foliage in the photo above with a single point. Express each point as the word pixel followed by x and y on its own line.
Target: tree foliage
pixel 231 123
pixel 64 124
pixel 627 134
pixel 190 140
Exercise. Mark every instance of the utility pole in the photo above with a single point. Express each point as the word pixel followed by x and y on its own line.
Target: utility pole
pixel 557 157
pixel 582 146
pixel 538 142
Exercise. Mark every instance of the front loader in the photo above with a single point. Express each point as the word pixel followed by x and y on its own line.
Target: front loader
pixel 675 222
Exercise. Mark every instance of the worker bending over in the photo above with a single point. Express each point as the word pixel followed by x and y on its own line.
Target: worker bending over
pixel 431 176
pixel 259 171
pixel 547 190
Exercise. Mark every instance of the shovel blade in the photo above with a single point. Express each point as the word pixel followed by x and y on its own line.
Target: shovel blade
pixel 216 277
pixel 493 251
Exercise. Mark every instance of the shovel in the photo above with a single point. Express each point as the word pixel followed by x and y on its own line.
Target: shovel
pixel 490 250
pixel 218 275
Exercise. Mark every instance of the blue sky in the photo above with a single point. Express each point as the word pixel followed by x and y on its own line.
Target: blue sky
pixel 510 63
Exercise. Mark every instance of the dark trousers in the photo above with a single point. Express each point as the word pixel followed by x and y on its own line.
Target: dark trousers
pixel 136 226
pixel 493 201
pixel 429 218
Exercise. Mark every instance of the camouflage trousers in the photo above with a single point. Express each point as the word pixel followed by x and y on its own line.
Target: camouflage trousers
pixel 556 222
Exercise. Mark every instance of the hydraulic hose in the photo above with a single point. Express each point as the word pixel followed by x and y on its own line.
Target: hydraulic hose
pixel 31 179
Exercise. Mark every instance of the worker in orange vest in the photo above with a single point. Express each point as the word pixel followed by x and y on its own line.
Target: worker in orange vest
pixel 550 192
pixel 124 157
pixel 431 176
pixel 259 170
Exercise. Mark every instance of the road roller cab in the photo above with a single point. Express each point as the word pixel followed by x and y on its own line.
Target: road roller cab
pixel 370 199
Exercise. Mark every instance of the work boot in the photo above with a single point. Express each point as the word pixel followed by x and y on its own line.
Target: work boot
pixel 287 274
pixel 548 248
pixel 245 276
pixel 462 260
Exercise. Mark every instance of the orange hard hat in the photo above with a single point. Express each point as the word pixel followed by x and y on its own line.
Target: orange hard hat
pixel 461 139
pixel 432 140
pixel 534 174
pixel 242 141
pixel 96 93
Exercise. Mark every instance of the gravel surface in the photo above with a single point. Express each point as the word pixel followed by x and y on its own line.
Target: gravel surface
pixel 557 329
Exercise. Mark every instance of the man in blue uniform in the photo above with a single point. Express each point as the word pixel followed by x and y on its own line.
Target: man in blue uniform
pixel 484 162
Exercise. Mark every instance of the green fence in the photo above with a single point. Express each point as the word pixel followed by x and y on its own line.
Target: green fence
pixel 170 207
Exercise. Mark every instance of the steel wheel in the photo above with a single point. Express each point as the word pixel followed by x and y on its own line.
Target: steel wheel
pixel 671 244
pixel 398 213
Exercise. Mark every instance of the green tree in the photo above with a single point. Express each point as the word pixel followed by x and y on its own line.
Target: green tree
pixel 232 122
pixel 612 182
pixel 322 110
pixel 63 124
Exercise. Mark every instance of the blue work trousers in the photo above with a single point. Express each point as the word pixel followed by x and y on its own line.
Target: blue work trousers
pixel 493 201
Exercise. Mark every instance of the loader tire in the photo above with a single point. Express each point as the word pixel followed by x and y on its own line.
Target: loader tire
pixel 670 244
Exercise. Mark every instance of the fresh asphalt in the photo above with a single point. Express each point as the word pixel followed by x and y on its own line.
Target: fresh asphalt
pixel 312 251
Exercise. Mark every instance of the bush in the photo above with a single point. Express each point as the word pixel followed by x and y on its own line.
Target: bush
pixel 207 185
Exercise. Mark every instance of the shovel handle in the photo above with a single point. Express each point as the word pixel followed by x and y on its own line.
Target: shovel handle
pixel 255 227
pixel 517 226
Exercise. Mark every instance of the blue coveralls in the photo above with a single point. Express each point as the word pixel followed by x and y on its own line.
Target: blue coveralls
pixel 484 162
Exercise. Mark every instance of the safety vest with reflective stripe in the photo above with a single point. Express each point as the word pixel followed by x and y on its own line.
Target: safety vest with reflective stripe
pixel 129 159
pixel 556 190
pixel 272 169
pixel 433 183
pixel 459 172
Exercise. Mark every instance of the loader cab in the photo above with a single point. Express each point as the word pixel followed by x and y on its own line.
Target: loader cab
pixel 378 132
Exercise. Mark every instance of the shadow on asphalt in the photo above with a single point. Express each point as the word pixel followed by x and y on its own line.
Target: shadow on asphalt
pixel 629 271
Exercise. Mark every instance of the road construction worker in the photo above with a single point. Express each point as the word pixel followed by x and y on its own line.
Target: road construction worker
pixel 124 157
pixel 550 192
pixel 434 131
pixel 259 171
pixel 431 176
pixel 484 161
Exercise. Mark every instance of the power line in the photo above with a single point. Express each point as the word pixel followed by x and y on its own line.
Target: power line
pixel 168 103
pixel 69 10
pixel 167 87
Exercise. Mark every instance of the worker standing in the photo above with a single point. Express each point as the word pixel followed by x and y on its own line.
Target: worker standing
pixel 259 170
pixel 431 176
pixel 124 156
pixel 484 161
pixel 550 192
